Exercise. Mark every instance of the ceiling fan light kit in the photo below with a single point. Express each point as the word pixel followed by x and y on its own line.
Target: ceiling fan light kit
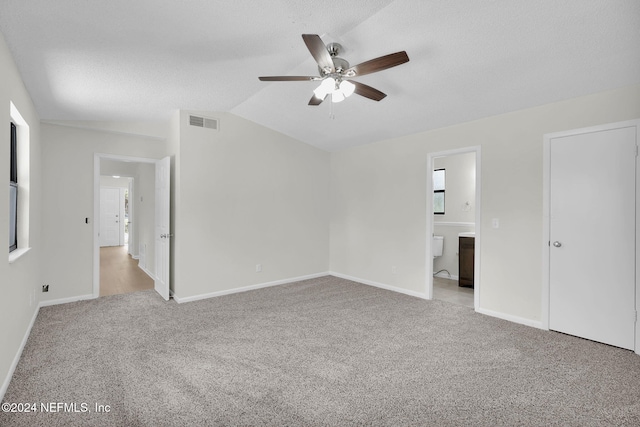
pixel 335 72
pixel 339 90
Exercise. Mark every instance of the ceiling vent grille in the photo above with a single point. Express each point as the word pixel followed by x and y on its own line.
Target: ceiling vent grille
pixel 203 122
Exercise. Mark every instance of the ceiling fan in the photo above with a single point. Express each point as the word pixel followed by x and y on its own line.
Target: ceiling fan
pixel 335 72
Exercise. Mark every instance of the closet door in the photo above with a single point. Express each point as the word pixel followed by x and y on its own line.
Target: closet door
pixel 592 235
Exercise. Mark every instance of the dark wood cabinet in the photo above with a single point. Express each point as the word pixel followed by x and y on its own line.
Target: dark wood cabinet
pixel 466 258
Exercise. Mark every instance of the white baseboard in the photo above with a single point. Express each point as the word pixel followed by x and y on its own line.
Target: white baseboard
pixel 135 256
pixel 516 319
pixel 504 316
pixel 66 300
pixel 16 359
pixel 381 285
pixel 147 272
pixel 247 288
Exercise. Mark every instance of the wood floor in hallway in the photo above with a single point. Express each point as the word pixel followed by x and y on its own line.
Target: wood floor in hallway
pixel 119 272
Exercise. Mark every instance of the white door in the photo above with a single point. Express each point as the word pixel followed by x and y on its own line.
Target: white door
pixel 109 216
pixel 162 226
pixel 592 236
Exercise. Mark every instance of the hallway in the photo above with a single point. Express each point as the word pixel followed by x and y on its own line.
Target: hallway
pixel 120 274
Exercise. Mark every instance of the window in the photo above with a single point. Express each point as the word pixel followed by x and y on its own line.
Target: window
pixel 19 184
pixel 13 190
pixel 438 191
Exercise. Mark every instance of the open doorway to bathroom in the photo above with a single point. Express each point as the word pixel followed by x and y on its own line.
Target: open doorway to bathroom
pixel 453 212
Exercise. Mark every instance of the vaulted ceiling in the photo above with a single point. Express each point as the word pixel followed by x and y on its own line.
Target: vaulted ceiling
pixel 469 59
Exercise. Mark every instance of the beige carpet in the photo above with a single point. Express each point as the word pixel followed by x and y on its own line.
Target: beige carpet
pixel 323 352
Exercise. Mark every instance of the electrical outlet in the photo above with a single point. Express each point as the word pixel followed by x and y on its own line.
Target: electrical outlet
pixel 45 288
pixel 258 268
pixel 394 270
pixel 495 223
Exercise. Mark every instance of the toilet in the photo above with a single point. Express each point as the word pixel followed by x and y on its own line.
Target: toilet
pixel 437 245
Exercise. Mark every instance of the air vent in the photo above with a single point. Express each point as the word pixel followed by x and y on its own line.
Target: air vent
pixel 203 122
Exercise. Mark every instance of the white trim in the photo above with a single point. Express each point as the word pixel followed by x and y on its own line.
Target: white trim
pixel 516 319
pixel 59 301
pixel 180 300
pixel 454 224
pixel 431 221
pixel 16 359
pixel 380 285
pixel 147 272
pixel 546 193
pixel 130 159
pixel 96 225
pixel 598 128
pixel 497 314
pixel 14 255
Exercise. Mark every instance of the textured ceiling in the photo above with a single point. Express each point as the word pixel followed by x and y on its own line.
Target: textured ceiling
pixel 143 59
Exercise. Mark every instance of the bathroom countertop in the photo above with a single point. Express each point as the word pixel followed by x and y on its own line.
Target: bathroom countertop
pixel 467 234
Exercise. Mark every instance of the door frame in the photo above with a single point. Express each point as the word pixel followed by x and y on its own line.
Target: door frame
pixel 546 216
pixel 96 209
pixel 478 218
pixel 131 250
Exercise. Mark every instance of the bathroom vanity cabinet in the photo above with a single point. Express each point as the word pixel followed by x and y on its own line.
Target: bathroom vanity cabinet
pixel 466 247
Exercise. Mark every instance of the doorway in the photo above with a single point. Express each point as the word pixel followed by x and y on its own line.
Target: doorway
pixel 120 271
pixel 453 226
pixel 591 195
pixel 129 265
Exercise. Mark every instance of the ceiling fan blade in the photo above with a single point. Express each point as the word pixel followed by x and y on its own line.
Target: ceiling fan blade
pixel 316 101
pixel 367 91
pixel 319 51
pixel 287 78
pixel 379 64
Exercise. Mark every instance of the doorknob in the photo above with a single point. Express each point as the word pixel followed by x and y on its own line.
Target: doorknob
pixel 557 244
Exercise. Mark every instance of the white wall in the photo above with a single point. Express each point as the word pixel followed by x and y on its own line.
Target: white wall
pixel 68 200
pixel 379 206
pixel 460 208
pixel 247 195
pixel 20 282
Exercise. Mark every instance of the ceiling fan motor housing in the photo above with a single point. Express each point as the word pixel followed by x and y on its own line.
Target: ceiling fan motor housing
pixel 341 65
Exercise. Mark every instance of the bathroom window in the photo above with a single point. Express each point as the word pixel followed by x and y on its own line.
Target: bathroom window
pixel 438 191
